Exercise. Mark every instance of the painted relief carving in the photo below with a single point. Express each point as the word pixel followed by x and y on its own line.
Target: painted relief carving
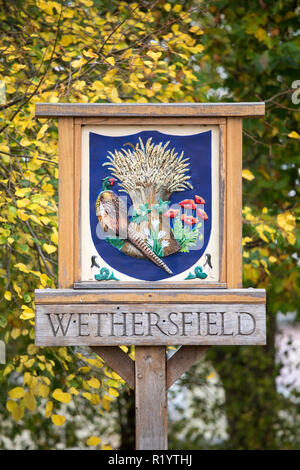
pixel 150 203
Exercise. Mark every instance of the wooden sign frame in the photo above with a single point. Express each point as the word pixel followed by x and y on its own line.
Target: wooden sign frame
pixel 150 374
pixel 72 117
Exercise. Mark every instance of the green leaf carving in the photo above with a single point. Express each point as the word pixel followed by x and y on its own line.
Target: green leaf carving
pixel 116 242
pixel 185 236
pixel 141 214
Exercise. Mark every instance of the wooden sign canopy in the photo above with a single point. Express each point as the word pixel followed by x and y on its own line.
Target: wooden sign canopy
pixel 150 242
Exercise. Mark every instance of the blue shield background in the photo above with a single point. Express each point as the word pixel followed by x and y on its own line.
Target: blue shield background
pixel 198 148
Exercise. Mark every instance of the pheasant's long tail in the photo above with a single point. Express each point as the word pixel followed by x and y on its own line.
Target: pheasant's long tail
pixel 137 241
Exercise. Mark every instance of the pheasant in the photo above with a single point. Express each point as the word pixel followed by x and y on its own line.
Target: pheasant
pixel 112 216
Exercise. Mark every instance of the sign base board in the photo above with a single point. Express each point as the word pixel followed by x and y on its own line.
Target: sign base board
pixel 72 317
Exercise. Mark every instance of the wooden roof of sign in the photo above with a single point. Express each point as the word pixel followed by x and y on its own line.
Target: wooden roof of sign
pixel 150 109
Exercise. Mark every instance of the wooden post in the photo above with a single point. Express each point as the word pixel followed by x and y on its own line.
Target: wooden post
pixel 151 398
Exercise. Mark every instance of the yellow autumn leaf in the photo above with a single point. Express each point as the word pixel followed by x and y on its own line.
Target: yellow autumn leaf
pixel 154 55
pixel 15 333
pixel 110 60
pixel 78 63
pixel 45 220
pixel 286 221
pixel 29 401
pixel 17 392
pixel 95 399
pixel 84 369
pixel 34 219
pixel 87 3
pixel 32 349
pixel 17 412
pixel 167 7
pixel 113 392
pixel 10 405
pixel 48 409
pixel 177 8
pixel 30 380
pixel 43 279
pixel 196 30
pixel 89 53
pixel 7 295
pixel 248 175
pixel 17 67
pixel 93 382
pixel 93 441
pixel 23 203
pixel 66 40
pixel 61 396
pixel 25 142
pixel 261 229
pixel 22 192
pixel 4 148
pixel 58 420
pixel 261 34
pixel 8 369
pixel 49 248
pixel 46 380
pixel 42 131
pixel 43 390
pixel 29 363
pixel 106 404
pixel 291 238
pixel 27 313
pixel 106 447
pixel 54 236
pixel 17 289
pixel 73 391
pixel 87 395
pixel 246 240
pixel 48 188
pixel 22 215
pixel 294 135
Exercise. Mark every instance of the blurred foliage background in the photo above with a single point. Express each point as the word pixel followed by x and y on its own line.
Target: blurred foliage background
pixel 146 51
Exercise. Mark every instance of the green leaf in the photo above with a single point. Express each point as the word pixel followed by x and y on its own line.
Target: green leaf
pixel 185 236
pixel 141 214
pixel 3 321
pixel 116 242
pixel 162 206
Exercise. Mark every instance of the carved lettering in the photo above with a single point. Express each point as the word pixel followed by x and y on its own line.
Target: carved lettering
pixel 80 324
pixel 173 323
pixel 115 323
pixel 99 321
pixel 210 323
pixel 150 324
pixel 223 332
pixel 185 322
pixel 136 323
pixel 59 318
pixel 197 324
pixel 248 333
